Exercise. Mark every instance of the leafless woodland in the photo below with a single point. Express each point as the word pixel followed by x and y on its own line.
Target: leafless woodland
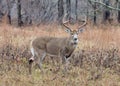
pixel 27 12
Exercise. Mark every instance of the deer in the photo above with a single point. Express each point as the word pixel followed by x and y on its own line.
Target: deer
pixel 62 47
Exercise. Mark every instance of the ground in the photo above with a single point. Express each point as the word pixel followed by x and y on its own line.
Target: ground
pixel 96 61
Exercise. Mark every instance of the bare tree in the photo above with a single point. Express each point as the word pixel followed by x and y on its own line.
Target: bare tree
pixel 106 11
pixel 8 13
pixel 118 5
pixel 76 7
pixel 68 9
pixel 104 4
pixel 95 18
pixel 94 7
pixel 19 12
pixel 60 11
pixel 48 11
pixel 107 8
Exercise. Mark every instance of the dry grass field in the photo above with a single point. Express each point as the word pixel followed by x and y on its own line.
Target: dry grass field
pixel 96 61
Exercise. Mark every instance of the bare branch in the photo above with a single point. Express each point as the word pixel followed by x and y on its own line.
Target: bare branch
pixel 110 7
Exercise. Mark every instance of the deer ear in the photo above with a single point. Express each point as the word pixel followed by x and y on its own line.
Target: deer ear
pixel 68 30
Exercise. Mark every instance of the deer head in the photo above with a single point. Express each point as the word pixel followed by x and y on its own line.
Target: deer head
pixel 74 33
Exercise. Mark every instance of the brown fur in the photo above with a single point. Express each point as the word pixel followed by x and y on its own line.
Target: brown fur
pixel 53 46
pixel 60 47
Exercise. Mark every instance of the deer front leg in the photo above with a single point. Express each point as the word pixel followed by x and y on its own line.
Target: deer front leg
pixel 65 54
pixel 65 61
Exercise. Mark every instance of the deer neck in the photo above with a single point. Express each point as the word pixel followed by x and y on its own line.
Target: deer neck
pixel 68 48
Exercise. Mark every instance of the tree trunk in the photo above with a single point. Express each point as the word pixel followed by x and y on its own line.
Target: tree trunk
pixel 8 13
pixel 106 12
pixel 119 12
pixel 68 9
pixel 95 18
pixel 19 13
pixel 60 11
pixel 76 7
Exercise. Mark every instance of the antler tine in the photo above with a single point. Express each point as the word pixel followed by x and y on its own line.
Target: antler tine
pixel 84 22
pixel 64 22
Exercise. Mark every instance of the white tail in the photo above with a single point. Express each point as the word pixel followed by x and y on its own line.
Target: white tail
pixel 60 47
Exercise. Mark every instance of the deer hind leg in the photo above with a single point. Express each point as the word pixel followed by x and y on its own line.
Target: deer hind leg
pixel 40 61
pixel 31 60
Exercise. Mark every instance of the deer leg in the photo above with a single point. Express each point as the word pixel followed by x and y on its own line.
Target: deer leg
pixel 65 61
pixel 31 60
pixel 53 62
pixel 30 65
pixel 41 60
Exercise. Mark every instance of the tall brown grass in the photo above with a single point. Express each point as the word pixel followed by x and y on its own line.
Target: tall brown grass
pixel 95 62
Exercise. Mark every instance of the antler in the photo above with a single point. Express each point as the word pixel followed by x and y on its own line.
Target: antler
pixel 83 23
pixel 65 23
pixel 67 28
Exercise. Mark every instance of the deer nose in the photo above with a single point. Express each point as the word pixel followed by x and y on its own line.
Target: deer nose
pixel 75 39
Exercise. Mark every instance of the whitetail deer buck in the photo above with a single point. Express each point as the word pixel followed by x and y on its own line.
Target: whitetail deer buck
pixel 60 47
